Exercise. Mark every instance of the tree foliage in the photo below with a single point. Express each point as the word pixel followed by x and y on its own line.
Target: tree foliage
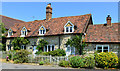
pixel 77 42
pixel 41 44
pixel 3 31
pixel 17 42
pixel 3 28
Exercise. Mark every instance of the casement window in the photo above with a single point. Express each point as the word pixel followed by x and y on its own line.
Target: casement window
pixel 42 30
pixel 9 47
pixel 70 50
pixel 10 32
pixel 23 47
pixel 23 32
pixel 49 48
pixel 102 48
pixel 69 27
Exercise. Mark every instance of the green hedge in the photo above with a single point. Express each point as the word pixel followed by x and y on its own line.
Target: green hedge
pixel 58 52
pixel 85 62
pixel 64 63
pixel 106 59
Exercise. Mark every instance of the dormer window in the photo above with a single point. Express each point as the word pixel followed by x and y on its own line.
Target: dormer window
pixel 23 32
pixel 42 30
pixel 69 27
pixel 10 32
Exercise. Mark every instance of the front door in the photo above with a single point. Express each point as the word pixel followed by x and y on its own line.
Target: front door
pixel 34 49
pixel 70 51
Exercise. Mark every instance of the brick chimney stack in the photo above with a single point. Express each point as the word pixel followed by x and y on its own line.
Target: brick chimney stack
pixel 48 12
pixel 108 20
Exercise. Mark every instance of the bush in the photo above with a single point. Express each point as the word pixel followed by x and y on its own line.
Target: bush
pixel 89 62
pixel 16 61
pixel 76 61
pixel 41 63
pixel 38 52
pixel 58 52
pixel 21 56
pixel 10 56
pixel 106 59
pixel 119 63
pixel 82 61
pixel 64 63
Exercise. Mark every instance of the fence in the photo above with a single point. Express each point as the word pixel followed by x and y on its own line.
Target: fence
pixel 36 59
pixel 6 53
pixel 47 59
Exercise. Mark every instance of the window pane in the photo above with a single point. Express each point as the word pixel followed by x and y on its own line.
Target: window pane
pixel 46 48
pixel 49 48
pixel 40 31
pixel 43 31
pixel 105 47
pixel 66 29
pixel 72 50
pixel 68 49
pixel 99 47
pixel 52 47
pixel 70 29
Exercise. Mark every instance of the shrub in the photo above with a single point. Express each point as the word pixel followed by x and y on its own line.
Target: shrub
pixel 89 62
pixel 21 56
pixel 58 52
pixel 38 52
pixel 45 53
pixel 64 63
pixel 16 61
pixel 106 59
pixel 10 56
pixel 76 61
pixel 41 63
pixel 119 63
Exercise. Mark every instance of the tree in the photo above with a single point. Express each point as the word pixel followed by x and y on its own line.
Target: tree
pixel 17 42
pixel 3 28
pixel 3 31
pixel 77 42
pixel 41 44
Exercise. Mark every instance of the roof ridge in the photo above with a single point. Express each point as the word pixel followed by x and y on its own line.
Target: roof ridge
pixel 61 17
pixel 12 18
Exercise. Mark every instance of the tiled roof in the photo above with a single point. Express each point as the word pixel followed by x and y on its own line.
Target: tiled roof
pixel 103 33
pixel 54 26
pixel 8 22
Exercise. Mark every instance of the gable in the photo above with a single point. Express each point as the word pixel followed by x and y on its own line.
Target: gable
pixel 68 25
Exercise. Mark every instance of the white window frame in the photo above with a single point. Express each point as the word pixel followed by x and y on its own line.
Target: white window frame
pixel 9 32
pixel 68 27
pixel 102 47
pixel 50 47
pixel 23 47
pixel 42 30
pixel 23 35
pixel 71 53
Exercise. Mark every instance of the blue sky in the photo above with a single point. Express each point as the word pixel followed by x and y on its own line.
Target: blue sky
pixel 26 10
